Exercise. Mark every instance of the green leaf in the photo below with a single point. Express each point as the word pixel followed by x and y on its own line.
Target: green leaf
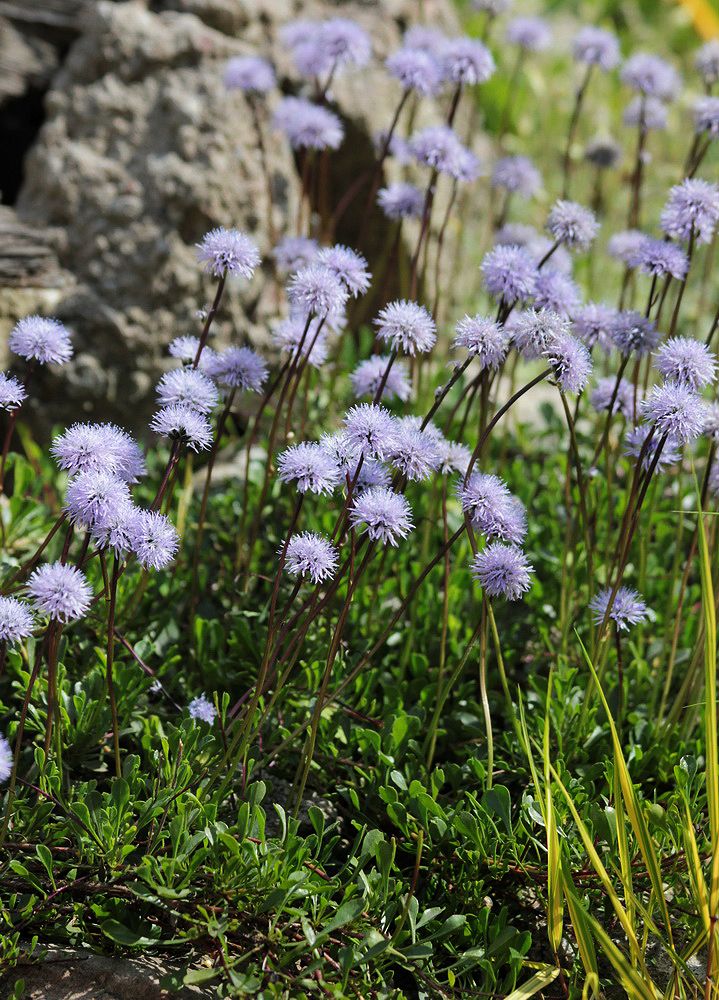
pixel 120 934
pixel 497 801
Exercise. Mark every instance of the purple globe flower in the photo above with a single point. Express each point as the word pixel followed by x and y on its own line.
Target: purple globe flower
pixel 92 496
pixel 344 42
pixel 627 609
pixel 386 516
pixel 634 445
pixel 651 76
pixel 691 208
pixel 414 452
pixel 59 591
pixel 187 387
pixel 676 411
pixel 556 291
pixel 659 258
pixel 572 225
pixel 624 244
pixel 228 251
pixel 533 331
pixel 311 555
pixel 633 333
pixel 439 148
pixel 309 466
pixel 203 709
pixel 348 266
pixel 416 70
pixel 295 252
pixel 510 274
pixel 530 33
pixel 183 424
pixel 316 290
pixel 308 125
pixel 594 323
pixel 570 362
pixel 483 339
pixel 116 530
pixel 706 62
pixel 184 349
pixel 648 113
pixel 453 457
pixel 401 201
pixel 12 393
pixel 686 361
pixel 238 368
pixel 16 620
pixel 607 390
pixel 466 61
pixel 706 116
pixel 373 473
pixel 101 447
pixel 420 36
pixel 251 74
pixel 596 47
pixel 370 429
pixel 503 571
pixel 369 375
pixel 293 335
pixel 6 759
pixel 517 175
pixel 406 326
pixel 154 539
pixel 492 509
pixel 711 423
pixel 41 339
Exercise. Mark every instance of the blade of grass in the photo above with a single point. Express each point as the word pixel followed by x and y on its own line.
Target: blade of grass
pixel 539 981
pixel 582 932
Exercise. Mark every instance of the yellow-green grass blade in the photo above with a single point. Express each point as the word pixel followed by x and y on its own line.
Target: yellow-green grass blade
pixel 555 894
pixel 638 985
pixel 625 859
pixel 696 872
pixel 539 981
pixel 582 933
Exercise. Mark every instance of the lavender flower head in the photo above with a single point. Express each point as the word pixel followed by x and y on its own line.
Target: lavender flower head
pixel 369 375
pixel 92 496
pixel 295 252
pixel 556 291
pixel 16 621
pixel 510 274
pixel 634 446
pixel 676 411
pixel 348 266
pixel 116 529
pixel 85 447
pixel 12 393
pixel 711 422
pixel 386 516
pixel 467 61
pixel 706 62
pixel 492 509
pixel 596 47
pixel 651 76
pixel 6 759
pixel 41 339
pixel 594 323
pixel 181 423
pixel 317 290
pixel 532 331
pixel 406 326
pixel 414 452
pixel 607 390
pixel 570 362
pixel 686 361
pixel 430 40
pixel 251 74
pixel 310 466
pixel 370 429
pixel 312 555
pixel 647 113
pixel 228 252
pixel 187 387
pixel 633 333
pixel 517 175
pixel 572 225
pixel 401 201
pixel 453 457
pixel 154 539
pixel 692 208
pixel 503 571
pixel 659 258
pixel 484 339
pixel 416 70
pixel 706 116
pixel 59 591
pixel 439 148
pixel 344 43
pixel 530 33
pixel 203 709
pixel 308 125
pixel 290 333
pixel 184 348
pixel 627 609
pixel 238 368
pixel 624 244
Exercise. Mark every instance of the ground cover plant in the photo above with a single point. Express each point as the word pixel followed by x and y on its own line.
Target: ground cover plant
pixel 420 701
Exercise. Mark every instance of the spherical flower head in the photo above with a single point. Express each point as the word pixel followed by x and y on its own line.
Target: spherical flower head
pixel 310 466
pixel 311 555
pixel 348 266
pixel 187 387
pixel 503 571
pixel 6 759
pixel 386 515
pixel 342 451
pixel 706 62
pixel 16 620
pixel 686 361
pixel 593 323
pixel 510 274
pixel 203 709
pixel 183 424
pixel 295 252
pixel 416 70
pixel 627 608
pixel 517 175
pixel 570 362
pixel 184 349
pixel 659 258
pixel 154 539
pixel 453 457
pixel 41 339
pixel 370 429
pixel 676 411
pixel 467 61
pixel 102 447
pixel 596 47
pixel 369 375
pixel 228 252
pixel 251 74
pixel 430 40
pixel 651 76
pixel 572 225
pixel 492 509
pixel 317 291
pixel 438 147
pixel 530 33
pixel 308 125
pixel 532 331
pixel 706 116
pixel 414 452
pixel 116 529
pixel 634 446
pixel 59 591
pixel 12 393
pixel 373 473
pixel 603 152
pixel 607 394
pixel 407 326
pixel 92 496
pixel 401 201
pixel 691 208
pixel 484 339
pixel 633 333
pixel 648 113
pixel 624 244
pixel 344 42
pixel 293 335
pixel 238 368
pixel 556 291
pixel 711 422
